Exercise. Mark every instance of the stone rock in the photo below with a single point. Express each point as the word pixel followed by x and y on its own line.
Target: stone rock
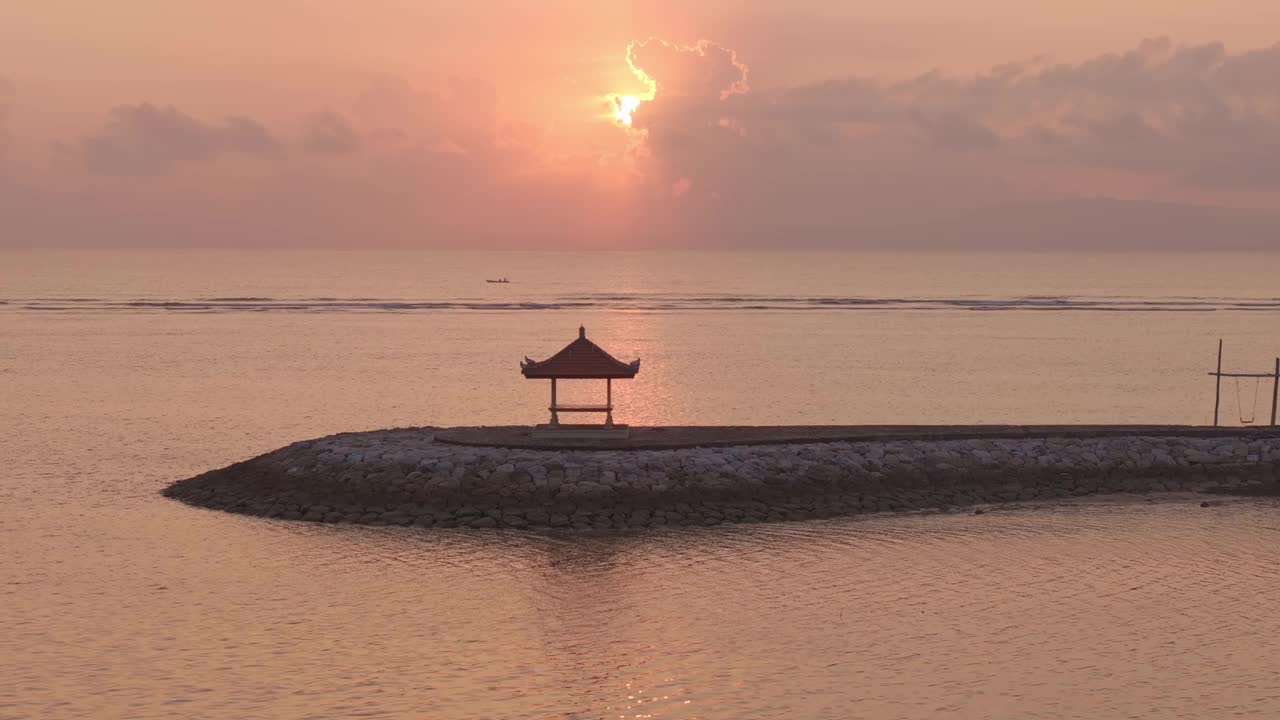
pixel 405 477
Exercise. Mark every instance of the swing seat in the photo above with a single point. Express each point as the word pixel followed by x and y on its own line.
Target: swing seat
pixel 1240 405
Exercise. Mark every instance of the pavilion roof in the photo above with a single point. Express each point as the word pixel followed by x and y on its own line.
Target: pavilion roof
pixel 580 360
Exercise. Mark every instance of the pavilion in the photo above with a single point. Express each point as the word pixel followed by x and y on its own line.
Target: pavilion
pixel 581 360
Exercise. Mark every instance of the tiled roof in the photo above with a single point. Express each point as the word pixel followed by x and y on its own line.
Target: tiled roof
pixel 581 359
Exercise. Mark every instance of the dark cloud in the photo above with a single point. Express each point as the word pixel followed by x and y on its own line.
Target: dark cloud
pixel 1190 112
pixel 847 160
pixel 1195 114
pixel 1251 72
pixel 329 133
pixel 145 138
pixel 957 132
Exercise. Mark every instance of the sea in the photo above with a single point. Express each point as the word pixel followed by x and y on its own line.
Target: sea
pixel 122 371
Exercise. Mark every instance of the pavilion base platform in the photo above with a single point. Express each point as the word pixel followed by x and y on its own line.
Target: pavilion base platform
pixel 580 432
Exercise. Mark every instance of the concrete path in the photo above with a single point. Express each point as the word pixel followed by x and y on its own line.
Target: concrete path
pixel 676 437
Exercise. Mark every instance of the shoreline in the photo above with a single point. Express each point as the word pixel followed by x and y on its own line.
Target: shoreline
pixel 422 477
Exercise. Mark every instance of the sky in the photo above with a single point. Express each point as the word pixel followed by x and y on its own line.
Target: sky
pixel 1082 124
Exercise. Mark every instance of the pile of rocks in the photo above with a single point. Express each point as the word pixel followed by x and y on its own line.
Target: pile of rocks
pixel 406 477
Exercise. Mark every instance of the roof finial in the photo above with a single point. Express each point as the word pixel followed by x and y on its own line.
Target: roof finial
pixel 582 332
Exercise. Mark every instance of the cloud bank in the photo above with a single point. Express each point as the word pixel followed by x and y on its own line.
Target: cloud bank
pixel 1159 146
pixel 146 138
pixel 1195 114
pixel 329 133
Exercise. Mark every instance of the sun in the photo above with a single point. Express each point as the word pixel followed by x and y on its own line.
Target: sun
pixel 623 106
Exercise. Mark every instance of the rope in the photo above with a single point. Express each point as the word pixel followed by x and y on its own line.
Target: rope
pixel 1240 406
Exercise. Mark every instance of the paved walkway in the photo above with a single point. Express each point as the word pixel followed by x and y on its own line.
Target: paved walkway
pixel 674 437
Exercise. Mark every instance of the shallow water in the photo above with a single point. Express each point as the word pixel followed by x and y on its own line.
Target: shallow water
pixel 1126 610
pixel 117 603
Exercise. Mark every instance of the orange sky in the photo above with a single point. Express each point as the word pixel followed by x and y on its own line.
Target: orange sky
pixel 424 118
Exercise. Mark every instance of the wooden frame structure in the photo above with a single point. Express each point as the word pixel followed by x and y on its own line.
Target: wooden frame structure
pixel 580 360
pixel 1217 391
pixel 607 408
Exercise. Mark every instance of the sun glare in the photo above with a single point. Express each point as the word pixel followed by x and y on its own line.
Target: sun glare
pixel 623 106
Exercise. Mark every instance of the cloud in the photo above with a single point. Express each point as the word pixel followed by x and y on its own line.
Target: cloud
pixel 146 139
pixel 699 70
pixel 1196 116
pixel 957 132
pixel 459 113
pixel 329 133
pixel 1191 113
pixel 993 159
pixel 846 159
pixel 6 110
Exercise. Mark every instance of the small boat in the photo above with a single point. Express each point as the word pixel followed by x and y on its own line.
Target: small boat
pixel 499 280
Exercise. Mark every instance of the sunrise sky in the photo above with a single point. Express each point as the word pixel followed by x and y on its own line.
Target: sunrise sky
pixel 756 123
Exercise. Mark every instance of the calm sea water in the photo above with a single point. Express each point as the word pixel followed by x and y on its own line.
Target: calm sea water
pixel 122 371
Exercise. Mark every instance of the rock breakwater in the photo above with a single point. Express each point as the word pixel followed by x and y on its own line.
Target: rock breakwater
pixel 408 477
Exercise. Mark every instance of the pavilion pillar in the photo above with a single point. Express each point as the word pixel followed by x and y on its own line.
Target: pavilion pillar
pixel 608 402
pixel 555 417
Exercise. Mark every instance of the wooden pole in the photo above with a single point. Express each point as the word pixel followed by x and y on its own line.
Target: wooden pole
pixel 608 401
pixel 1217 388
pixel 1275 393
pixel 555 419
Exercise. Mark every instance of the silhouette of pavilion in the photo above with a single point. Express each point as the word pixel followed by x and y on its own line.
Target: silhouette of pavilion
pixel 581 360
